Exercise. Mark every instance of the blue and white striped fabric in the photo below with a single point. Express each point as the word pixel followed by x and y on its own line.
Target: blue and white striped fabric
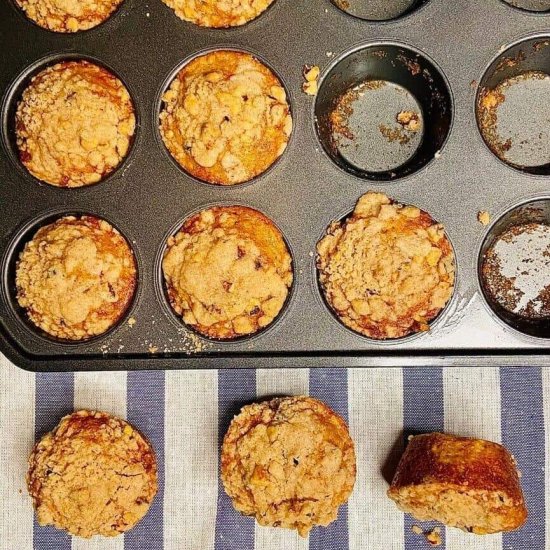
pixel 185 415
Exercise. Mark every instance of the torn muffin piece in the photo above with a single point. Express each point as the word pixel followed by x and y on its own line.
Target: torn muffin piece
pixel 288 462
pixel 471 484
pixel 228 272
pixel 225 118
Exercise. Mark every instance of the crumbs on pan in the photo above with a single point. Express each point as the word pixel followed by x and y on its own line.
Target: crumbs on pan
pixel 311 76
pixel 483 217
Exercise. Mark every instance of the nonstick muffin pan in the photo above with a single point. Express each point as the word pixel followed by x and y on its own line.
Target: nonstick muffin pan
pixel 437 58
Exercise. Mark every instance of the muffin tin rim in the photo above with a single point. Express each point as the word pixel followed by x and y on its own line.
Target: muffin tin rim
pixel 12 96
pixel 173 73
pixel 362 45
pixel 505 48
pixel 496 217
pixel 8 266
pixel 526 11
pixel 409 12
pixel 161 293
pixel 436 324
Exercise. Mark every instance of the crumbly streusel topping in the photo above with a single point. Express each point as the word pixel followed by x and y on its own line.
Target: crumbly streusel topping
pixel 228 271
pixel 388 269
pixel 226 118
pixel 288 462
pixel 76 277
pixel 93 475
pixel 74 124
pixel 218 13
pixel 68 15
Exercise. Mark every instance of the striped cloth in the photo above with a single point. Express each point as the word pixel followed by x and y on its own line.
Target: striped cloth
pixel 185 415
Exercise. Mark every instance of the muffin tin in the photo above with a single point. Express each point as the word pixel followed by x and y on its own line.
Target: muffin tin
pixel 148 196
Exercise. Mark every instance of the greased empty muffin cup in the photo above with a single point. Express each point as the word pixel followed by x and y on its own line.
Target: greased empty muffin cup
pixel 471 484
pixel 225 118
pixel 514 268
pixel 94 474
pixel 383 111
pixel 68 16
pixel 533 6
pixel 387 270
pixel 73 124
pixel 227 272
pixel 512 106
pixel 219 13
pixel 288 462
pixel 379 10
pixel 75 278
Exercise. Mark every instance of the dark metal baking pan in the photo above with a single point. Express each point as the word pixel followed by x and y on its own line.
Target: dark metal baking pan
pixel 146 198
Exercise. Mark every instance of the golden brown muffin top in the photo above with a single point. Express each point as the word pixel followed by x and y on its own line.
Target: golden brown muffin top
pixel 226 118
pixel 289 462
pixel 444 458
pixel 93 475
pixel 76 277
pixel 68 15
pixel 387 270
pixel 228 271
pixel 74 124
pixel 218 13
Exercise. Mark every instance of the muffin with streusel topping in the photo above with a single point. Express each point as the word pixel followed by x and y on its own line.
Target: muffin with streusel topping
pixel 218 13
pixel 225 118
pixel 76 277
pixel 94 474
pixel 387 270
pixel 228 272
pixel 68 15
pixel 74 124
pixel 288 462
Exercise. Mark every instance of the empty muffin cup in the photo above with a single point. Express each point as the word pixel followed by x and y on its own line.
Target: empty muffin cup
pixel 539 6
pixel 379 10
pixel 512 106
pixel 383 112
pixel 514 268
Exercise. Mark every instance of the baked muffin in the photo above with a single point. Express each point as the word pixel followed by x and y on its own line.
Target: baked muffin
pixel 467 483
pixel 76 277
pixel 225 118
pixel 228 271
pixel 68 15
pixel 387 270
pixel 93 475
pixel 216 13
pixel 74 124
pixel 289 462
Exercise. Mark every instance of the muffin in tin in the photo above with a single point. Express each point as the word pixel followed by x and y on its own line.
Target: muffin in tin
pixel 218 14
pixel 225 117
pixel 387 270
pixel 76 277
pixel 94 474
pixel 74 124
pixel 68 15
pixel 289 462
pixel 228 272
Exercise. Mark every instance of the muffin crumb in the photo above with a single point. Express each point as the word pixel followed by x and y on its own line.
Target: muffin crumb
pixel 311 76
pixel 483 217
